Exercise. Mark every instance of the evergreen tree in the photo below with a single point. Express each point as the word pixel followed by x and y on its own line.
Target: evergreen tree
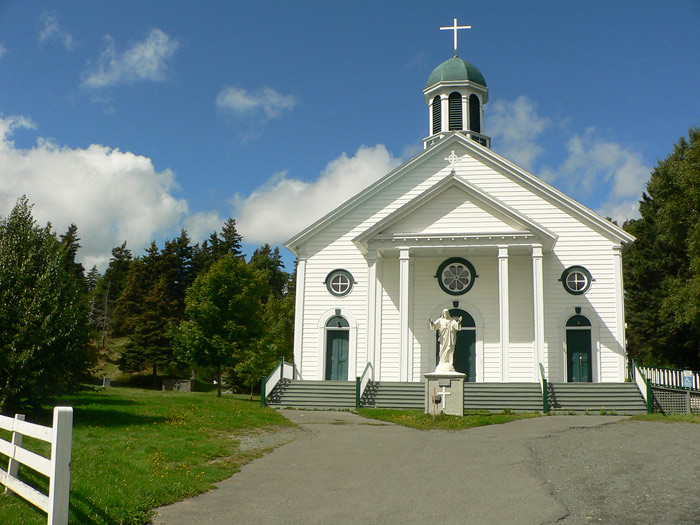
pixel 662 267
pixel 43 321
pixel 270 262
pixel 110 287
pixel 71 240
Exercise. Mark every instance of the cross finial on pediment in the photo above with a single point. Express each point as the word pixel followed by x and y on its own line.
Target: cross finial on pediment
pixel 454 28
pixel 452 159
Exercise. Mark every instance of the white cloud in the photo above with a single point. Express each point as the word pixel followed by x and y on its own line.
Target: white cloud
pixel 266 101
pixel 202 224
pixel 51 30
pixel 112 196
pixel 284 206
pixel 516 128
pixel 3 50
pixel 144 61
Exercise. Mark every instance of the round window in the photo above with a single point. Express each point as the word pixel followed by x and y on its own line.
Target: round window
pixel 456 276
pixel 576 280
pixel 339 282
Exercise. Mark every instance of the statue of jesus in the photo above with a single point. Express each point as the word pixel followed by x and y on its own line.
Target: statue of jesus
pixel 448 328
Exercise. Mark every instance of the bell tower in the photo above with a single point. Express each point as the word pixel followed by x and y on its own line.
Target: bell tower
pixel 455 94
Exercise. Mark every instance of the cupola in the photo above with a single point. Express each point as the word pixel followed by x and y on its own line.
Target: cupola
pixel 455 94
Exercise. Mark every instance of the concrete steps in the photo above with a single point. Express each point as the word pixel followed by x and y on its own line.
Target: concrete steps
pixel 392 394
pixel 313 394
pixel 495 397
pixel 621 398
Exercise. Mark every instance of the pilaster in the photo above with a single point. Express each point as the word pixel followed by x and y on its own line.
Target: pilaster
pixel 503 309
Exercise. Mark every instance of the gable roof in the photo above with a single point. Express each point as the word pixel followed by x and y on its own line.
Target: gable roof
pixel 486 156
pixel 486 202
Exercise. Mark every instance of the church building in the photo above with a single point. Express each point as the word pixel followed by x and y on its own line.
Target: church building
pixel 535 275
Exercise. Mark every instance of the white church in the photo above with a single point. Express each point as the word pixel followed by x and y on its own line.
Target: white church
pixel 535 275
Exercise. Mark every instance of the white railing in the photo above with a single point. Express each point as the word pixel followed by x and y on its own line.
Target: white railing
pixel 365 379
pixel 672 377
pixel 641 382
pixel 57 468
pixel 282 371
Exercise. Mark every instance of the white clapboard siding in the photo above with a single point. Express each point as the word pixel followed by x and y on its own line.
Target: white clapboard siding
pixel 579 242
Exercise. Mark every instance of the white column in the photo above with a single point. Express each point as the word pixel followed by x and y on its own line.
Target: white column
pixel 404 271
pixel 503 308
pixel 538 308
pixel 619 314
pixel 465 112
pixel 379 295
pixel 299 312
pixel 371 306
pixel 445 113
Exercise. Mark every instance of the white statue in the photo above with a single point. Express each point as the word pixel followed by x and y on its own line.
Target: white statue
pixel 448 328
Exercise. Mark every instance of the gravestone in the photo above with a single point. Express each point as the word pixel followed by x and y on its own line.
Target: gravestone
pixel 177 385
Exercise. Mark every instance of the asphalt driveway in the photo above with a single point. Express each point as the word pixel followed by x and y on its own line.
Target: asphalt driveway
pixel 570 469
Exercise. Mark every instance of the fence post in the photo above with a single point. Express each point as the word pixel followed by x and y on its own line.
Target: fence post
pixel 13 464
pixel 687 401
pixel 357 392
pixel 59 484
pixel 650 397
pixel 263 381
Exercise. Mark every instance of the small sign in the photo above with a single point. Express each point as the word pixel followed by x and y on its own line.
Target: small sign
pixel 687 379
pixel 445 382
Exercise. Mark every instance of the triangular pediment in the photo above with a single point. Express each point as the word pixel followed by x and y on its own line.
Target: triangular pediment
pixel 454 207
pixel 454 210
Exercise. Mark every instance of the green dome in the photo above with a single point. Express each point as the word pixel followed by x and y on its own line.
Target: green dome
pixel 455 69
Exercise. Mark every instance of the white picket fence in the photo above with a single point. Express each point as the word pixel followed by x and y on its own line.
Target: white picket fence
pixel 672 377
pixel 57 468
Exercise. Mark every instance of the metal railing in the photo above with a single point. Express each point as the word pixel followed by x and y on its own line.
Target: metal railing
pixel 545 392
pixel 283 370
pixel 362 382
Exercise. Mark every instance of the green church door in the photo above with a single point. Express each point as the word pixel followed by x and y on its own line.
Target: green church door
pixel 578 350
pixel 465 348
pixel 337 355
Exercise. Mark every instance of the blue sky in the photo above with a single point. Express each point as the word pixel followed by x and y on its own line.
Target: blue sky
pixel 135 119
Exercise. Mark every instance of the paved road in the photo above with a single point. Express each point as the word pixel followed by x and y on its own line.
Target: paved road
pixel 578 469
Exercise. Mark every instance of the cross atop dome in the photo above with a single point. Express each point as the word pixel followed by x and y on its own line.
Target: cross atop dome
pixel 454 28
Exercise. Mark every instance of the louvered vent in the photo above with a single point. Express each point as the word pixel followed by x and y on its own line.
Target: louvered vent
pixel 437 125
pixel 474 114
pixel 455 111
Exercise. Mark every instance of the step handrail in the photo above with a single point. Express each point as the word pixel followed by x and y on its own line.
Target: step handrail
pixel 362 382
pixel 671 377
pixel 644 386
pixel 283 370
pixel 545 392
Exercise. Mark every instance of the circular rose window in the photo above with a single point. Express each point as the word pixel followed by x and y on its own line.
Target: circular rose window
pixel 456 276
pixel 576 280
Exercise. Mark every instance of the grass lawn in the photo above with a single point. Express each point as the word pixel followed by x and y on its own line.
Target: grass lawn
pixel 134 450
pixel 418 419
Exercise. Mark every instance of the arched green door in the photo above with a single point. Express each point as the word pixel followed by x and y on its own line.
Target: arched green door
pixel 337 348
pixel 578 350
pixel 465 348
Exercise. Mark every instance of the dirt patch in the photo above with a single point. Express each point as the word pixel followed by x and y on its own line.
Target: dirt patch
pixel 267 439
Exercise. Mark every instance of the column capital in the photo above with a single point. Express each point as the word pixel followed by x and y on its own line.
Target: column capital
pixel 537 250
pixel 502 251
pixel 404 253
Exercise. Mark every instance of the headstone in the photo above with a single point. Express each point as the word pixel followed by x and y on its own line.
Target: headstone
pixel 106 382
pixel 177 385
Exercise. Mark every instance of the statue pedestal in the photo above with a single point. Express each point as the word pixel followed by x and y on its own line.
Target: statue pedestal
pixel 444 392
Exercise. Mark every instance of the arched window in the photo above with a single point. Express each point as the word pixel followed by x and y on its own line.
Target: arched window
pixel 474 114
pixel 437 115
pixel 455 110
